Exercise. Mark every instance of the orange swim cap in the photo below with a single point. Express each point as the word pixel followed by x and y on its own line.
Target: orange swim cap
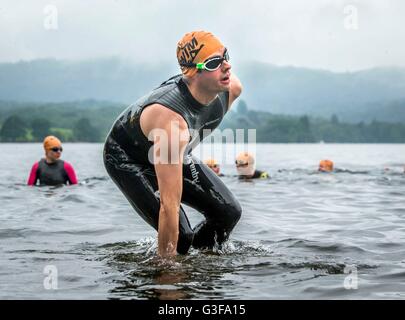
pixel 51 142
pixel 195 47
pixel 326 165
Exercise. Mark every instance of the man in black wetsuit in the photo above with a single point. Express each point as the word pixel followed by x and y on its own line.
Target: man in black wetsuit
pixel 178 112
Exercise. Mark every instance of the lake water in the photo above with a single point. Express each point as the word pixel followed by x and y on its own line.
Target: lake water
pixel 302 235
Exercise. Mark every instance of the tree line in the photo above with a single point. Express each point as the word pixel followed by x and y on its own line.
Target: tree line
pixel 90 121
pixel 295 129
pixel 15 129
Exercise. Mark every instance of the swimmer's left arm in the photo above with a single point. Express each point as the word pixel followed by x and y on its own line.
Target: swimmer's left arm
pixel 235 90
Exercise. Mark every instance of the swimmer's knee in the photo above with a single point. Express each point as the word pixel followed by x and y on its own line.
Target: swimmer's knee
pixel 238 211
pixel 234 212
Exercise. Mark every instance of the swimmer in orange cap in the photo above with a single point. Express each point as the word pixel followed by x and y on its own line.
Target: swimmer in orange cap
pixel 325 166
pixel 182 110
pixel 246 167
pixel 214 166
pixel 51 170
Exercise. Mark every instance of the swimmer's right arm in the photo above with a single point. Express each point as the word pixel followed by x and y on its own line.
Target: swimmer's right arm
pixel 32 180
pixel 162 125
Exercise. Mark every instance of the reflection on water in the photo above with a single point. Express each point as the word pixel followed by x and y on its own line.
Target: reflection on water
pixel 148 276
pixel 301 235
pixel 213 274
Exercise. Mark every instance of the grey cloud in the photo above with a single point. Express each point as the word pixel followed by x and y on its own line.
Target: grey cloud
pixel 283 32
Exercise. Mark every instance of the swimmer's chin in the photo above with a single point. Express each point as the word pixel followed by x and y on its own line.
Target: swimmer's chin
pixel 225 88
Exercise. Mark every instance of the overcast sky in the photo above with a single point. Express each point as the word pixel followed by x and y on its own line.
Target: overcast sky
pixel 337 35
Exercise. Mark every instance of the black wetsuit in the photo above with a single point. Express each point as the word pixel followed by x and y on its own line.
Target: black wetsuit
pixel 256 175
pixel 126 160
pixel 52 174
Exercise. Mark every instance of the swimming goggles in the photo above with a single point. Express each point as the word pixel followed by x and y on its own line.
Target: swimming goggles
pixel 240 163
pixel 210 64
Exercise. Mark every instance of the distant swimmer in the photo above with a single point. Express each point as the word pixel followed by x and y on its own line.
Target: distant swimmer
pixel 51 170
pixel 148 150
pixel 246 167
pixel 214 166
pixel 325 166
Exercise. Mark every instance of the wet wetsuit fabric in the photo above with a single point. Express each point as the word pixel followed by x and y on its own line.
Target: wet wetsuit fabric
pixel 126 160
pixel 257 175
pixel 52 174
pixel 260 175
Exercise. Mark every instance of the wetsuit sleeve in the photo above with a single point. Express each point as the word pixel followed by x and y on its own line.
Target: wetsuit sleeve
pixel 33 175
pixel 260 174
pixel 70 173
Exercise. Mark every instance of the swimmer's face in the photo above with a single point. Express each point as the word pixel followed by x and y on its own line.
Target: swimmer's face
pixel 215 168
pixel 53 154
pixel 247 169
pixel 218 80
pixel 325 166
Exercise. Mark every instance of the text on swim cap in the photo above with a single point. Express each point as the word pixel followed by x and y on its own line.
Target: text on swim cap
pixel 189 51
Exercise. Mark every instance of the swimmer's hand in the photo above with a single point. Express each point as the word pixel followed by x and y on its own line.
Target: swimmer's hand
pixel 235 89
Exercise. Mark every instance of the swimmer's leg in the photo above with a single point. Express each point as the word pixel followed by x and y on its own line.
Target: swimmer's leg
pixel 139 185
pixel 204 191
